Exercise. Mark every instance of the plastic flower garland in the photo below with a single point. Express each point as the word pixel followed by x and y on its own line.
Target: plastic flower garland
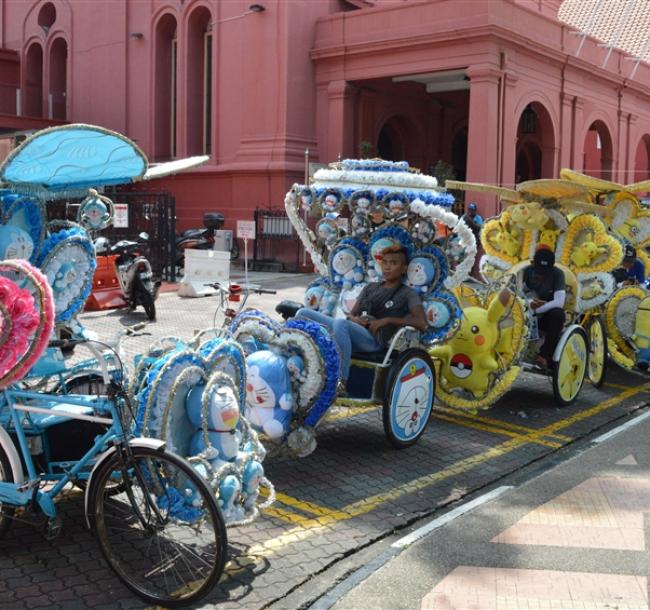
pixel 306 236
pixel 458 227
pixel 68 260
pixel 22 342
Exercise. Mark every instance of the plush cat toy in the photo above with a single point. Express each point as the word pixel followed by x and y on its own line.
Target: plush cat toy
pixel 347 266
pixel 269 403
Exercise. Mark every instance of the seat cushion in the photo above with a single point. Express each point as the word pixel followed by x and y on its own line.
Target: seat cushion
pixel 377 356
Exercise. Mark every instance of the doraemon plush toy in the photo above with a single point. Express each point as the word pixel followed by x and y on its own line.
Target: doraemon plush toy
pixel 330 202
pixel 314 296
pixel 269 403
pixel 296 368
pixel 306 198
pixel 222 420
pixel 328 302
pixel 222 434
pixel 397 204
pixel 15 243
pixel 347 266
pixel 436 313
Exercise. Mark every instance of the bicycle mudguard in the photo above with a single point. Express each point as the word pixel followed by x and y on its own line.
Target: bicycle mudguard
pixel 14 459
pixel 150 443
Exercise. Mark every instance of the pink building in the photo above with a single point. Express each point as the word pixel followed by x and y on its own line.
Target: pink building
pixel 500 89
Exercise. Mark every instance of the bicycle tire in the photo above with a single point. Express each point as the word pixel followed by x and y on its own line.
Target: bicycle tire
pixel 127 534
pixel 6 476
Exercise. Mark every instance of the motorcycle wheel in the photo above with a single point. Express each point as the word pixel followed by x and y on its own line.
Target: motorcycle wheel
pixel 234 251
pixel 145 298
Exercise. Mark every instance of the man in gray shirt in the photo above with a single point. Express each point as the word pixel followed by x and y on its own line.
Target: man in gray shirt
pixel 380 310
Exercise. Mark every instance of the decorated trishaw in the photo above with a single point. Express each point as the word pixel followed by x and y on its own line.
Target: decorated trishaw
pixel 140 495
pixel 356 209
pixel 626 313
pixel 540 214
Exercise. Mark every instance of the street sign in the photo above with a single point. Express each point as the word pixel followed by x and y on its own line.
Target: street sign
pixel 121 215
pixel 245 229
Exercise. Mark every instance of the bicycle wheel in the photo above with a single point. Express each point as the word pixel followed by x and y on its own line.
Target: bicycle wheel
pixel 163 534
pixel 6 476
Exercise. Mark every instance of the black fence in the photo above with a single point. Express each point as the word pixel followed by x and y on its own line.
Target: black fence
pixel 153 213
pixel 277 246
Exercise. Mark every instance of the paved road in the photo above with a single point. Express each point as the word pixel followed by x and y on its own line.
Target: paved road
pixel 335 506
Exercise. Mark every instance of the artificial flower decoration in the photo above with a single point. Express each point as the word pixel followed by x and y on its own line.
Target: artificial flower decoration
pixel 24 213
pixel 502 240
pixel 194 405
pixel 627 326
pixel 68 260
pixel 587 247
pixel 26 318
pixel 628 219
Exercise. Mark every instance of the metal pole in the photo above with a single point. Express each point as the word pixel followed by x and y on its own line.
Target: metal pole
pixel 304 212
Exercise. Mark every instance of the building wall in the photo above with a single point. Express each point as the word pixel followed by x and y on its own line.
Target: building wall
pixel 320 75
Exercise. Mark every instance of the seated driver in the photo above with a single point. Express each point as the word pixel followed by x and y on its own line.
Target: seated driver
pixel 380 310
pixel 548 286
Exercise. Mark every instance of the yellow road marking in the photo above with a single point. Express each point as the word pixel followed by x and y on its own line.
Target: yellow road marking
pixel 310 527
pixel 498 422
pixel 308 507
pixel 346 412
pixel 531 437
pixel 616 386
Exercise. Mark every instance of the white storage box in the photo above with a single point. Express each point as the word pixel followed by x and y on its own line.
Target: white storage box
pixel 204 267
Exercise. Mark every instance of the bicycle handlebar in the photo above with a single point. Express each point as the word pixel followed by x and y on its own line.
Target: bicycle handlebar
pixel 242 289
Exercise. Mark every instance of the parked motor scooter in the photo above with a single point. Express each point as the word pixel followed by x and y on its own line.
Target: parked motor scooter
pixel 133 271
pixel 202 239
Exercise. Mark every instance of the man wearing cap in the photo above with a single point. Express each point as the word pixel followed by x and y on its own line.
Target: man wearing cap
pixel 632 271
pixel 474 220
pixel 547 284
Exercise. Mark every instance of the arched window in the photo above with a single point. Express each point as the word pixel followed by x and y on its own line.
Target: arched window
pixel 199 82
pixel 598 151
pixel 33 102
pixel 165 89
pixel 58 80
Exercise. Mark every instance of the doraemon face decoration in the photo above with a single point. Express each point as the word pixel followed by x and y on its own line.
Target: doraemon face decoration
pixel 94 214
pixel 424 232
pixel 306 198
pixel 361 202
pixel 396 204
pixel 421 274
pixel 360 226
pixel 436 313
pixel 15 243
pixel 330 202
pixel 327 232
pixel 347 266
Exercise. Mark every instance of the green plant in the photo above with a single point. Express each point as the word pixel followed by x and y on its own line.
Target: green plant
pixel 443 171
pixel 365 149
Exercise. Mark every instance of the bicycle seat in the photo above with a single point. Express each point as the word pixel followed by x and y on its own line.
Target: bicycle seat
pixel 288 309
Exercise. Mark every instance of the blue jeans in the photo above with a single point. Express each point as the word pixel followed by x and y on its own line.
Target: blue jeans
pixel 348 335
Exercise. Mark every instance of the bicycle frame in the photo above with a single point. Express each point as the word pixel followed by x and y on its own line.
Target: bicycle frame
pixel 21 406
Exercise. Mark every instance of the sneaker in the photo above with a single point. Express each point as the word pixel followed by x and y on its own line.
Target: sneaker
pixel 341 389
pixel 541 362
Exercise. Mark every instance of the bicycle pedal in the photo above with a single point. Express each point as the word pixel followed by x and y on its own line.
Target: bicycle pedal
pixel 53 528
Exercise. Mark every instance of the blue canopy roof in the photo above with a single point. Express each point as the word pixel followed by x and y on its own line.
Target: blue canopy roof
pixel 65 160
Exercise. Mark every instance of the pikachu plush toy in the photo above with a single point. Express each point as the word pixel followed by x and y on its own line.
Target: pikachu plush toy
pixel 470 357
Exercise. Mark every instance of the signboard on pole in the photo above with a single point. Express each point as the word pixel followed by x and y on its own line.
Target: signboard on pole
pixel 121 215
pixel 245 229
